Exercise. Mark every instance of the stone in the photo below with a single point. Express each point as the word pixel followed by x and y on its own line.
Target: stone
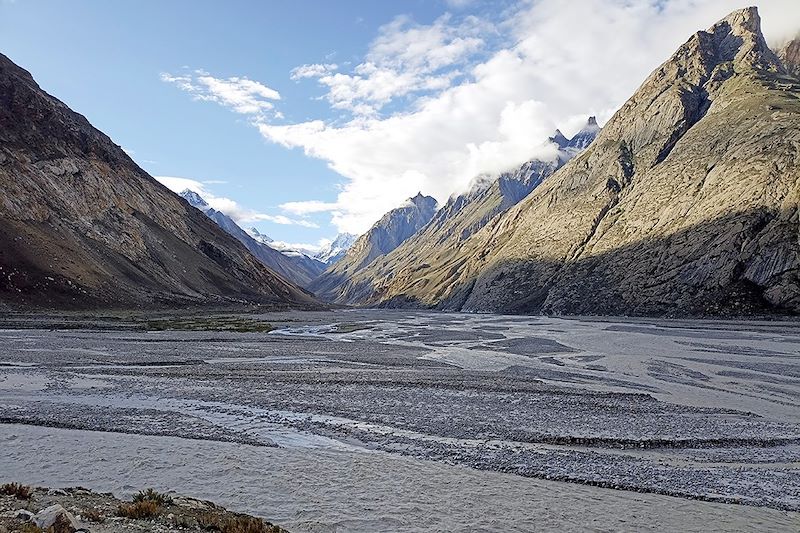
pixel 57 518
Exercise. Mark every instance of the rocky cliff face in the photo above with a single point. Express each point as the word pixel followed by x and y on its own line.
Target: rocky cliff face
pixel 81 225
pixel 790 56
pixel 394 228
pixel 460 218
pixel 686 203
pixel 297 268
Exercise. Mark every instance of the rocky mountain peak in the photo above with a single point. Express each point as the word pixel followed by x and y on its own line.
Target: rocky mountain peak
pixel 423 202
pixel 736 39
pixel 194 199
pixel 559 139
pixel 333 252
pixel 789 55
pixel 585 136
pixel 258 236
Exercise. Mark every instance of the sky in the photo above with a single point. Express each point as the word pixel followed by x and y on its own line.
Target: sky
pixel 309 118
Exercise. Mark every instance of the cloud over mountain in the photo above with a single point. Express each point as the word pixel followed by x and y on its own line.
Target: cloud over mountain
pixel 431 106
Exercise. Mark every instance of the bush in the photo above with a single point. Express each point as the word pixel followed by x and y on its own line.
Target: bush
pixel 93 515
pixel 17 490
pixel 140 509
pixel 235 524
pixel 151 495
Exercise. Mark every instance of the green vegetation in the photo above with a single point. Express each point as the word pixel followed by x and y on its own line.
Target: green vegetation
pixel 350 328
pixel 236 324
pixel 152 495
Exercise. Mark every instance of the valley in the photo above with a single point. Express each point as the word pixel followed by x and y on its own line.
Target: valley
pixel 705 411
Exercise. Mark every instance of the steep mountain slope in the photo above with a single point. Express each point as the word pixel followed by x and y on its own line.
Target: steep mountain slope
pixel 81 225
pixel 297 268
pixel 388 233
pixel 686 203
pixel 337 249
pixel 462 216
pixel 790 56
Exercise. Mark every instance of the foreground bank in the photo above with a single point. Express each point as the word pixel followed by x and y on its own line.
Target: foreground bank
pixel 39 509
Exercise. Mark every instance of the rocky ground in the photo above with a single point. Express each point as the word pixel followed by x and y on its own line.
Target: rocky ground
pixel 78 509
pixel 700 410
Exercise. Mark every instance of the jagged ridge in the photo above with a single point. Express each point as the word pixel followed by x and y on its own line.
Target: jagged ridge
pixel 686 203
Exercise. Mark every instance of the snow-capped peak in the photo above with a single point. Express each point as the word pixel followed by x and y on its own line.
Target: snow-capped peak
pixel 258 236
pixel 194 199
pixel 337 248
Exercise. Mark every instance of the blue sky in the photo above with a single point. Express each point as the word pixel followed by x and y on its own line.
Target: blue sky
pixel 377 99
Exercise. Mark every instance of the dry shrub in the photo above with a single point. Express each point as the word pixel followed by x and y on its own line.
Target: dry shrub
pixel 93 515
pixel 235 524
pixel 140 509
pixel 17 490
pixel 151 495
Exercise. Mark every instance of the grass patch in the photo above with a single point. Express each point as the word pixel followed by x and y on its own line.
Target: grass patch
pixel 19 491
pixel 235 524
pixel 350 328
pixel 220 323
pixel 152 495
pixel 139 510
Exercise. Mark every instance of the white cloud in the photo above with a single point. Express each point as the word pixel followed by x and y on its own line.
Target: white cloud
pixel 306 248
pixel 313 70
pixel 307 207
pixel 473 97
pixel 405 58
pixel 241 94
pixel 230 207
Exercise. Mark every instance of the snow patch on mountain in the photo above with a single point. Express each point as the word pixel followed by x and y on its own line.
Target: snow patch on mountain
pixel 336 249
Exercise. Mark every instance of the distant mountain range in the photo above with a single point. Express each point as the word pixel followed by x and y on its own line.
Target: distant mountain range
pixel 685 203
pixel 384 236
pixel 394 245
pixel 327 254
pixel 82 226
pixel 294 266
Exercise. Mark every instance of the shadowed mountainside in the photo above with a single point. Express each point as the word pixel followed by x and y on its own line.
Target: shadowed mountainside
pixel 299 268
pixel 81 225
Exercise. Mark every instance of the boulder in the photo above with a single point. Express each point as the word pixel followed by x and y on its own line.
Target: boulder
pixel 57 518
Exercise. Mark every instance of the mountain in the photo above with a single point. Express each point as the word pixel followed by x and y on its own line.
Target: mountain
pixel 297 268
pixel 336 249
pixel 790 56
pixel 81 225
pixel 384 236
pixel 457 220
pixel 255 234
pixel 686 203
